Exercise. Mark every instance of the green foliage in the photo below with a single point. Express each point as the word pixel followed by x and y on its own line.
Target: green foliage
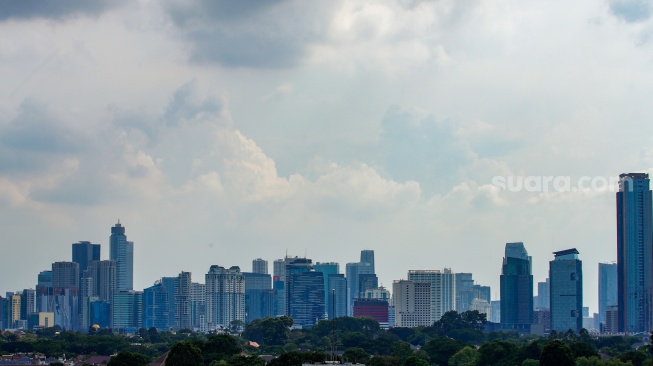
pixel 637 358
pixel 595 361
pixel 466 327
pixel 498 353
pixel 240 360
pixel 414 361
pixel 129 359
pixel 465 357
pixel 184 354
pixel 532 351
pixel 269 331
pixel 356 355
pixel 287 359
pixel 530 362
pixel 441 349
pixel 384 361
pixel 402 350
pixel 219 347
pixel 582 349
pixel 556 353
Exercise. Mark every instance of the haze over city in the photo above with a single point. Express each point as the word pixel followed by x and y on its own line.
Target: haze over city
pixel 220 132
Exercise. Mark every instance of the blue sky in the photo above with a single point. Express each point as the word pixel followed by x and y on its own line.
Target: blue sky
pixel 218 132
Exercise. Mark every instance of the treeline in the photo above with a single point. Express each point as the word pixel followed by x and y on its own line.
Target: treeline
pixel 455 340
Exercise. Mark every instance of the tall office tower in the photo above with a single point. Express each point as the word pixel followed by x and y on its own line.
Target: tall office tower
pixel 327 269
pixel 127 310
pixel 65 275
pixel 305 297
pixel 103 279
pixel 607 289
pixel 259 297
pixel 198 305
pixel 566 275
pixel 481 292
pixel 496 311
pixel 122 251
pixel 516 289
pixel 169 287
pixel 304 292
pixel 412 303
pixel 634 253
pixel 27 303
pixel 443 290
pixel 543 299
pixel 336 301
pixel 65 301
pixel 352 272
pixel 182 301
pixel 367 256
pixel 44 292
pixel 366 282
pixel 14 311
pixel 279 270
pixel 464 291
pixel 156 307
pixel 260 266
pixel 83 253
pixel 279 289
pixel 225 297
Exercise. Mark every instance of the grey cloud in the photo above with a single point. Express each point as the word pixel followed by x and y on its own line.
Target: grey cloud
pixel 36 130
pixel 53 9
pixel 420 148
pixel 631 10
pixel 260 34
pixel 184 105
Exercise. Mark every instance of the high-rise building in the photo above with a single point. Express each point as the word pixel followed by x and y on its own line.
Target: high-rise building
pixel 259 297
pixel 327 269
pixel 279 270
pixel 516 289
pixel 225 297
pixel 443 290
pixel 14 312
pixel 542 300
pixel 169 284
pixel 366 281
pixel 306 297
pixel 198 305
pixel 566 275
pixel 412 303
pixel 122 251
pixel 496 311
pixel 260 266
pixel 376 309
pixel 155 307
pixel 353 271
pixel 83 253
pixel 27 303
pixel 65 275
pixel 634 253
pixel 367 256
pixel 336 302
pixel 607 289
pixel 103 279
pixel 182 301
pixel 377 293
pixel 464 291
pixel 127 310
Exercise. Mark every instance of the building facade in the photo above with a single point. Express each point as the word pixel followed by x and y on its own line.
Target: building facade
pixel 443 290
pixel 516 289
pixel 634 253
pixel 225 297
pixel 260 266
pixel 607 289
pixel 122 251
pixel 412 303
pixel 566 275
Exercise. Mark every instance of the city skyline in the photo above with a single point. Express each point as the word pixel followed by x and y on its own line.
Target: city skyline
pixel 219 134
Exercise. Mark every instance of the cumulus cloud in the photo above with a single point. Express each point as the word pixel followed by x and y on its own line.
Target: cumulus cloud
pixel 53 9
pixel 631 11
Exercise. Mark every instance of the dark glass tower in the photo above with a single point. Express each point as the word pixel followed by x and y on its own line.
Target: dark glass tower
pixel 607 289
pixel 566 275
pixel 516 289
pixel 84 253
pixel 367 256
pixel 122 251
pixel 634 253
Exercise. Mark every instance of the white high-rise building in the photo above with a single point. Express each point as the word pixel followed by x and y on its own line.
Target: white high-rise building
pixel 225 297
pixel 443 290
pixel 412 303
pixel 260 266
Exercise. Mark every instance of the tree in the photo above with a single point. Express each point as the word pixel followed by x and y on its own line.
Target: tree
pixel 498 353
pixel 402 350
pixel 530 362
pixel 220 347
pixel 287 359
pixel 465 357
pixel 129 359
pixel 556 353
pixel 269 331
pixel 356 355
pixel 582 349
pixel 384 361
pixel 441 349
pixel 240 360
pixel 414 361
pixel 184 354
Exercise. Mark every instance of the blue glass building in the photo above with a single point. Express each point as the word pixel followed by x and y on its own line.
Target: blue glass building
pixel 634 253
pixel 156 307
pixel 607 289
pixel 516 289
pixel 122 251
pixel 566 291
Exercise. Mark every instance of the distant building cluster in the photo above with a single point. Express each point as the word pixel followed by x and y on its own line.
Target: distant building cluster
pixel 90 293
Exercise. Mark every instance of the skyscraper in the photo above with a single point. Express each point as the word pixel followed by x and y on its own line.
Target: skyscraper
pixel 607 289
pixel 225 296
pixel 367 256
pixel 156 307
pixel 83 253
pixel 336 301
pixel 566 275
pixel 260 266
pixel 353 270
pixel 443 290
pixel 122 251
pixel 259 297
pixel 328 269
pixel 634 253
pixel 543 295
pixel 182 301
pixel 304 292
pixel 412 303
pixel 516 289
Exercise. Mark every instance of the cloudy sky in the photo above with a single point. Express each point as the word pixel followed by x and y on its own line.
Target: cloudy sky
pixel 222 131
